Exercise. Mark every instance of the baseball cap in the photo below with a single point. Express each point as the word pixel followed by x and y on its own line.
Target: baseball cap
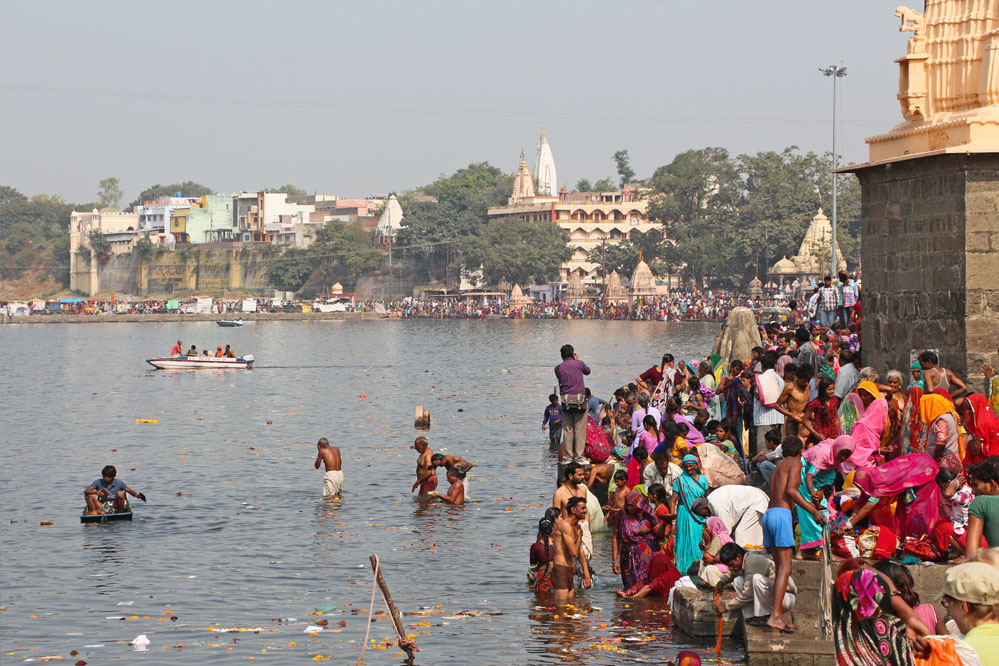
pixel 973 582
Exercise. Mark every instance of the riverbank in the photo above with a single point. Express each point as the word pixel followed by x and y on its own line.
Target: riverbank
pixel 176 316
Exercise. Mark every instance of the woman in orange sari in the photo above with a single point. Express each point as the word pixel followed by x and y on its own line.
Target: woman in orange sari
pixel 942 437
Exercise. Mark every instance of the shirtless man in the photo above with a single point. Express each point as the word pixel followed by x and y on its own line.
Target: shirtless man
pixel 569 546
pixel 456 493
pixel 448 462
pixel 778 529
pixel 333 479
pixel 574 487
pixel 793 400
pixel 426 473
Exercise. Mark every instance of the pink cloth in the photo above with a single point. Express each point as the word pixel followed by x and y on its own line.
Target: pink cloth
pixel 717 528
pixel 928 614
pixel 823 455
pixel 867 432
pixel 915 471
pixel 782 363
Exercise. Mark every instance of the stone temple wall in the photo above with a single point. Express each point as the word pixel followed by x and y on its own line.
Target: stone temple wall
pixel 930 257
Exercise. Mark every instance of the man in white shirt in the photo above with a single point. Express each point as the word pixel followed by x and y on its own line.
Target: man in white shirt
pixel 766 418
pixel 664 472
pixel 741 508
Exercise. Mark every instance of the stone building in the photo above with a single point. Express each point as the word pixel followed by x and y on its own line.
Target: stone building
pixel 120 229
pixel 930 197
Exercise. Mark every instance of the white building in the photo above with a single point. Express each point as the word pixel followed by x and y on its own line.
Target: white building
pixel 154 216
pixel 390 221
pixel 544 168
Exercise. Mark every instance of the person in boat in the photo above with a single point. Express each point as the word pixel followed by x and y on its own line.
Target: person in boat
pixel 218 352
pixel 333 478
pixel 107 494
pixel 229 353
pixel 193 351
pixel 177 349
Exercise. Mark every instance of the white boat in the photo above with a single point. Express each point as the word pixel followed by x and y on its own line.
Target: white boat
pixel 201 363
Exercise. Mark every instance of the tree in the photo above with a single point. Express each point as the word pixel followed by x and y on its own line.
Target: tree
pixel 519 252
pixel 289 189
pixel 696 197
pixel 291 270
pixel 343 252
pixel 186 189
pixel 584 185
pixel 33 238
pixel 109 193
pixel 604 185
pixel 100 245
pixel 624 169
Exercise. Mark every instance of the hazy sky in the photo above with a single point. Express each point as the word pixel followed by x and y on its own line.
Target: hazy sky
pixel 372 96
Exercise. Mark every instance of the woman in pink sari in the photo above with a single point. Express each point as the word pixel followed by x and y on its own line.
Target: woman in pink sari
pixel 868 430
pixel 889 483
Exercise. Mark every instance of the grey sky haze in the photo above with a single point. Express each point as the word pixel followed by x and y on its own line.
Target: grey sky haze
pixel 377 96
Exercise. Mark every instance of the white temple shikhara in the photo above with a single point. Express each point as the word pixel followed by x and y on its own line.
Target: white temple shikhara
pixel 813 255
pixel 544 168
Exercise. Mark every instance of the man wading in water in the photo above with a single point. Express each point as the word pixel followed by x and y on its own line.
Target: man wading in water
pixel 568 547
pixel 333 479
pixel 426 473
pixel 574 487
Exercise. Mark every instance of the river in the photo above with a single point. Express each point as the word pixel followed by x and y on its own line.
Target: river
pixel 236 535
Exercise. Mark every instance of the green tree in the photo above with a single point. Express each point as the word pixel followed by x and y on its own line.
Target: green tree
pixel 109 193
pixel 187 189
pixel 696 197
pixel 584 185
pixel 33 237
pixel 343 252
pixel 289 189
pixel 624 169
pixel 519 252
pixel 291 270
pixel 100 245
pixel 144 247
pixel 604 185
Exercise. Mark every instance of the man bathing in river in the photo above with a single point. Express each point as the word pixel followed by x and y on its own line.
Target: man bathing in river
pixel 333 479
pixel 456 493
pixel 574 486
pixel 426 473
pixel 449 462
pixel 107 494
pixel 568 547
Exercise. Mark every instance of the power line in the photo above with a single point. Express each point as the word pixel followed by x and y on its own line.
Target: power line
pixel 437 111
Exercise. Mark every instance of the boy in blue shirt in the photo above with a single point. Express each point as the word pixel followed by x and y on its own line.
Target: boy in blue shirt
pixel 107 494
pixel 553 418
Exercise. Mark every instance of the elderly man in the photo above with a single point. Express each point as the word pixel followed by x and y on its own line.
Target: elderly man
pixel 741 508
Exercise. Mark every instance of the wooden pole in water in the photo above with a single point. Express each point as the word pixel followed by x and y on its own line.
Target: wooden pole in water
pixel 405 644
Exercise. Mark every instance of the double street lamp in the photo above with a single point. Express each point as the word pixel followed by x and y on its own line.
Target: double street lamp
pixel 835 72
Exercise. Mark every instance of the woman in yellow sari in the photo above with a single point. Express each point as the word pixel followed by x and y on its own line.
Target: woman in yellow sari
pixel 942 437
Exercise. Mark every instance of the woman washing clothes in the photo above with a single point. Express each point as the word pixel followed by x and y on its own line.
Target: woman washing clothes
pixel 818 470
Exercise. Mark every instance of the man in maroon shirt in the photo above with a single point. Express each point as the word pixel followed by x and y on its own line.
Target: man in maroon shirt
pixel 573 391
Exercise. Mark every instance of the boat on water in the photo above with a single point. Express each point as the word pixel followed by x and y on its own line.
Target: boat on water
pixel 230 323
pixel 105 517
pixel 201 363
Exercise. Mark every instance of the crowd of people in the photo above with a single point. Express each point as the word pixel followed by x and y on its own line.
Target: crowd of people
pixel 717 475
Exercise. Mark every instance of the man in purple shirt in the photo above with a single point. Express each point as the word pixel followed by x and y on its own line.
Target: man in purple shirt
pixel 570 386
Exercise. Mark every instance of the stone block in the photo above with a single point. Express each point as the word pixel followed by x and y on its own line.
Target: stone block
pixel 694 614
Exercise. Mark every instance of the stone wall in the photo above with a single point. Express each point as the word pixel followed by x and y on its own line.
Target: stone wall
pixel 930 258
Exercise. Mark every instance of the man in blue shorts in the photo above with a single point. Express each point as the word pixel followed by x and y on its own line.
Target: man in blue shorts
pixel 778 529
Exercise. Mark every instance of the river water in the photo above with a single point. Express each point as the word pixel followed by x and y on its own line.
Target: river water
pixel 236 534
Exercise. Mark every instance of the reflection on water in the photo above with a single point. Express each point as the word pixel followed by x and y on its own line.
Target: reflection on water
pixel 236 531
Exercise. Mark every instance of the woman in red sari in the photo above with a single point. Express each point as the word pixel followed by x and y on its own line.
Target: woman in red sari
pixel 982 426
pixel 889 483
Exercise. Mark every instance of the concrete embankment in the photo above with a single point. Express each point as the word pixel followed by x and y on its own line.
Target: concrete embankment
pixel 174 316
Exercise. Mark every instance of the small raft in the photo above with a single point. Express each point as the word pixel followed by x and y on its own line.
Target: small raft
pixel 105 517
pixel 201 363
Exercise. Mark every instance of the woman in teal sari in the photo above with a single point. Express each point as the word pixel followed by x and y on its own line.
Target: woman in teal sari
pixel 818 469
pixel 687 488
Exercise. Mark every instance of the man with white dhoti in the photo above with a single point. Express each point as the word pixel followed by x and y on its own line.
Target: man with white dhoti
pixel 741 508
pixel 333 479
pixel 752 576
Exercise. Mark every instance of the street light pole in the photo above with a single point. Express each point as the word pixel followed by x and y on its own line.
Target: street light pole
pixel 835 72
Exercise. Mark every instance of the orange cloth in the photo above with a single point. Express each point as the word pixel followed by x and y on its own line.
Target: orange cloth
pixel 870 387
pixel 932 406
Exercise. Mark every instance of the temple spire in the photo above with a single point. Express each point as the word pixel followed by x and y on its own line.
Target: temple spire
pixel 523 183
pixel 544 167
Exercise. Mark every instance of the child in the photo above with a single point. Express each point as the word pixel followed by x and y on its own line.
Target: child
pixel 617 498
pixel 902 580
pixel 542 554
pixel 639 459
pixel 553 417
pixel 720 434
pixel 951 528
